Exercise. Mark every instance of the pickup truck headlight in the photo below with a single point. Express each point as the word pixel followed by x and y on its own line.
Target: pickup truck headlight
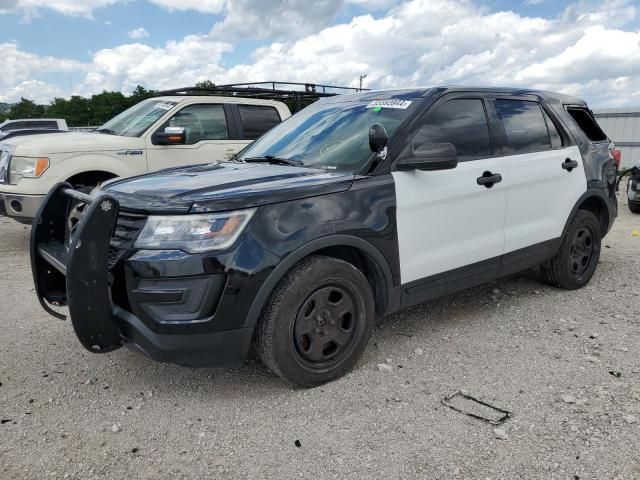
pixel 27 167
pixel 193 233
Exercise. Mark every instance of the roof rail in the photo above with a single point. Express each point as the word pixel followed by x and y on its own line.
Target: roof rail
pixel 302 94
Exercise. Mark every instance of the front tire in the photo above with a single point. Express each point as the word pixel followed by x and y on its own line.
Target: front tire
pixel 577 259
pixel 317 322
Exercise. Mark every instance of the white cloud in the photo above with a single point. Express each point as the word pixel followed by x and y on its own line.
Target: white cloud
pixel 177 64
pixel 66 7
pixel 138 33
pixel 572 53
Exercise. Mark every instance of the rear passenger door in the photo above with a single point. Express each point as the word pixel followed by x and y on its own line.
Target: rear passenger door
pixel 542 187
pixel 208 128
pixel 446 220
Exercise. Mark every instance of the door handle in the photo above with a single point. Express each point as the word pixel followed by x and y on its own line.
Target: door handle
pixel 488 179
pixel 569 164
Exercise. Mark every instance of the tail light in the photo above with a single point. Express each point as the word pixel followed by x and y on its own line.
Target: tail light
pixel 617 157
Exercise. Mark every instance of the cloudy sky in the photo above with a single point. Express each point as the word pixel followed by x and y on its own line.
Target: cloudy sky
pixel 589 48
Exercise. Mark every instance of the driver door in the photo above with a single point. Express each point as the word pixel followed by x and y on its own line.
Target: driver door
pixel 207 138
pixel 449 224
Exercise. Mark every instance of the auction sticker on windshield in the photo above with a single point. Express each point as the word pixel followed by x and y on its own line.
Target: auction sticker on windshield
pixel 401 104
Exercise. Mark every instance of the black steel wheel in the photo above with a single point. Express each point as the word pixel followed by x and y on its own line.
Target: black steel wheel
pixel 582 248
pixel 317 322
pixel 577 258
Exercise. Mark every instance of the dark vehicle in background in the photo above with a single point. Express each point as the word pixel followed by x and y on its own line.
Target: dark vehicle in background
pixel 356 207
pixel 33 124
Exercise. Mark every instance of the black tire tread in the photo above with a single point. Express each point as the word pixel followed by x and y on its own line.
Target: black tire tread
pixel 552 271
pixel 263 338
pixel 634 207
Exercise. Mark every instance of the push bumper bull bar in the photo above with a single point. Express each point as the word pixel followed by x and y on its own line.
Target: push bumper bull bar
pixel 75 272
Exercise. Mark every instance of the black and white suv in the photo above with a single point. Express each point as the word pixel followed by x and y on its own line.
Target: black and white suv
pixel 356 207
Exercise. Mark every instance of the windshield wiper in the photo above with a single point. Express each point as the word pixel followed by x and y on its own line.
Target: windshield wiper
pixel 108 131
pixel 275 160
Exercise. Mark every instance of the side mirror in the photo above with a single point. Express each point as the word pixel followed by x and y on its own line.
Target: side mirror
pixel 378 138
pixel 170 136
pixel 430 156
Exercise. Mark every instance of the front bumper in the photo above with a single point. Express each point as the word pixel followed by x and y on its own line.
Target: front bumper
pixel 22 208
pixel 171 306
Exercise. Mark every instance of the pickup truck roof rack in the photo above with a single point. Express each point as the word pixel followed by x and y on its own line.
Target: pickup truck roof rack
pixel 294 94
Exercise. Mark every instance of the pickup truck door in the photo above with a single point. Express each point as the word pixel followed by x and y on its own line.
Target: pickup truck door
pixel 209 137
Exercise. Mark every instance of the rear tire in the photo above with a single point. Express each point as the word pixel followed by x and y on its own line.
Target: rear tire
pixel 577 259
pixel 634 207
pixel 317 322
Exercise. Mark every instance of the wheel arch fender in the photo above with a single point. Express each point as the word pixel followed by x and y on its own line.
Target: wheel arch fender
pixel 595 201
pixel 316 246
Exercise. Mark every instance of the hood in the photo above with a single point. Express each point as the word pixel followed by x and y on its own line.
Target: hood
pixel 71 142
pixel 224 186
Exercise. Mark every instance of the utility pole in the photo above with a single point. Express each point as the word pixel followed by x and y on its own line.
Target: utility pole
pixel 362 77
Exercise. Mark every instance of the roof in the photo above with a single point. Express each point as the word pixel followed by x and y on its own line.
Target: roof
pixel 420 92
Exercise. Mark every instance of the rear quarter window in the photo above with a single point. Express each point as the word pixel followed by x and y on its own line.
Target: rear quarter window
pixel 583 118
pixel 257 120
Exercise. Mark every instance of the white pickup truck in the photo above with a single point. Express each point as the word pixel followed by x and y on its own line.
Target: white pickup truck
pixel 157 133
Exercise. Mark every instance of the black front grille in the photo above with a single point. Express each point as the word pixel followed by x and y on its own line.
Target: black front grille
pixel 127 229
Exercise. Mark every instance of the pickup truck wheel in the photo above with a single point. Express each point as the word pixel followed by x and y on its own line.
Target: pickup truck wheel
pixel 576 261
pixel 317 322
pixel 75 212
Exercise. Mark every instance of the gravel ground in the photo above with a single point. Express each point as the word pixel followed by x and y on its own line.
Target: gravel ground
pixel 565 364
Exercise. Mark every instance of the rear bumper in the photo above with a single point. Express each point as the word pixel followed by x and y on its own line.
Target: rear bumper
pixel 22 208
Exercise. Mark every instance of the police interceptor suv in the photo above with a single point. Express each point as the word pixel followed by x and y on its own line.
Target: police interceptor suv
pixel 356 207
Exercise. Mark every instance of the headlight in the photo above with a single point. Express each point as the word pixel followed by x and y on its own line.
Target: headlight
pixel 27 167
pixel 5 156
pixel 193 233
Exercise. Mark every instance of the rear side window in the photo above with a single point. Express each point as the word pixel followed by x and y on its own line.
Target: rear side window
pixel 524 125
pixel 41 124
pixel 587 124
pixel 556 139
pixel 463 123
pixel 257 120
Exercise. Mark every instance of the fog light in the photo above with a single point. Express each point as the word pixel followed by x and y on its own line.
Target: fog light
pixel 16 205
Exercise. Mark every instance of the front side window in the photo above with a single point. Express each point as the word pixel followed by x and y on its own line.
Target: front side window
pixel 134 121
pixel 257 120
pixel 463 123
pixel 201 122
pixel 14 126
pixel 331 135
pixel 524 126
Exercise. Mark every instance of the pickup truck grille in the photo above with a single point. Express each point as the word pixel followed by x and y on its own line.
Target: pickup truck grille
pixel 127 229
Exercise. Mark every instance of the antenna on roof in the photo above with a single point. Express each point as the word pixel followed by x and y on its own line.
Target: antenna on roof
pixel 444 48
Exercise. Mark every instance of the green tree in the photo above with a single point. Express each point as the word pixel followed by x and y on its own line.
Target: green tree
pixel 26 109
pixel 205 84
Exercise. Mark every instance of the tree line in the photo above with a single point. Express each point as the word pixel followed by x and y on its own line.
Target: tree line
pixel 79 111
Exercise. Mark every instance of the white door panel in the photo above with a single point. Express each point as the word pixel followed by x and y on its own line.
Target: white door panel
pixel 165 156
pixel 446 220
pixel 541 195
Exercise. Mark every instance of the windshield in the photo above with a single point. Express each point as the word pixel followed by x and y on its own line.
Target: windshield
pixel 331 136
pixel 134 121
